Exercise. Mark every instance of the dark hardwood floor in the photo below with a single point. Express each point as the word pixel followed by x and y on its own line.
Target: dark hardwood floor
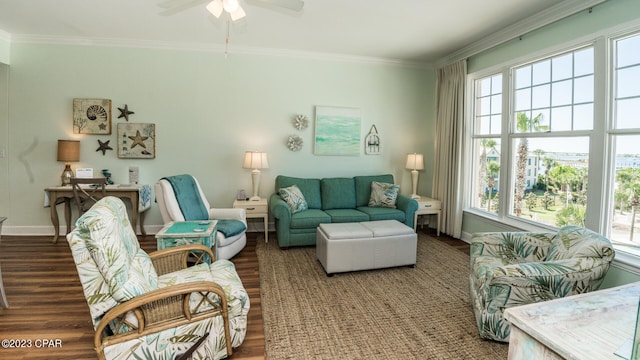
pixel 46 300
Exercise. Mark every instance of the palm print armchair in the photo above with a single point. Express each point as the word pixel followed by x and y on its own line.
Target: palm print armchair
pixel 154 306
pixel 516 268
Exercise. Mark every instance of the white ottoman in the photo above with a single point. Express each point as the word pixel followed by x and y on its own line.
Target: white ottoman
pixel 342 247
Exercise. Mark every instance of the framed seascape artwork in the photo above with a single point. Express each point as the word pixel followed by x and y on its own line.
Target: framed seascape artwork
pixel 337 131
pixel 92 116
pixel 136 141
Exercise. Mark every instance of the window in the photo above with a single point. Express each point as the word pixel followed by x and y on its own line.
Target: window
pixel 553 107
pixel 550 124
pixel 486 142
pixel 625 134
pixel 556 132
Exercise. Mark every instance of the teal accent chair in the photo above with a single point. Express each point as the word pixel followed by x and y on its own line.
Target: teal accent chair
pixel 228 246
pixel 159 305
pixel 516 268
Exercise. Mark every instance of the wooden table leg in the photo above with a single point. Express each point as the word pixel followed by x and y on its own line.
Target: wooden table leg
pixel 144 233
pixel 67 214
pixel 54 216
pixel 133 198
pixel 3 297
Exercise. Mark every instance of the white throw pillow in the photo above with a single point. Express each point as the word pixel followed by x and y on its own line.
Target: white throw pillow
pixel 294 198
pixel 383 194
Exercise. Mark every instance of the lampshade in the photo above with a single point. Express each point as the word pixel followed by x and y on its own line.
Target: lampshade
pixel 415 161
pixel 68 150
pixel 255 160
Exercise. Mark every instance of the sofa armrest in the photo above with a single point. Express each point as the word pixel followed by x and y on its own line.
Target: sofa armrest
pixel 177 258
pixel 160 309
pixel 409 206
pixel 279 208
pixel 228 214
pixel 512 247
pixel 537 281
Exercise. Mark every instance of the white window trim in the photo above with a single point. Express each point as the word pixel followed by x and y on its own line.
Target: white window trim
pixel 600 144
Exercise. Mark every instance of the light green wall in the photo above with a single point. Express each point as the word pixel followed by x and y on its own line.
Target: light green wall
pixel 208 110
pixel 607 15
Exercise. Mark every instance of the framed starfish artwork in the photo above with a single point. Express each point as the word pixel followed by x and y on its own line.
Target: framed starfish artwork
pixel 136 141
pixel 92 116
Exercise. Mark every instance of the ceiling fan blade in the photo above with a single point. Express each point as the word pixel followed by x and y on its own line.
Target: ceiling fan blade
pixel 215 7
pixel 295 5
pixel 238 14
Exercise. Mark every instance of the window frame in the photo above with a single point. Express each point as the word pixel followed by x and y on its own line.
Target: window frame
pixel 601 137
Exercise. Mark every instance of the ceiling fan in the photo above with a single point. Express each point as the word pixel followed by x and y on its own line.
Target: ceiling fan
pixel 232 7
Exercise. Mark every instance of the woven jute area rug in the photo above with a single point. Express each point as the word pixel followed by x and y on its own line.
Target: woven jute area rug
pixel 399 313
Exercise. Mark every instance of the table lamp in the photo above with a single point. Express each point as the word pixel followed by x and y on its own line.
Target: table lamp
pixel 415 162
pixel 255 160
pixel 68 151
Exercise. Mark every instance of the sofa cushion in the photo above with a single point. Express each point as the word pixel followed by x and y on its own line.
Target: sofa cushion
pixel 363 187
pixel 383 194
pixel 309 219
pixel 310 188
pixel 346 215
pixel 294 198
pixel 381 213
pixel 338 193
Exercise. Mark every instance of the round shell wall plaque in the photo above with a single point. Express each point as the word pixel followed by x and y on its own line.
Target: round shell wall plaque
pixel 300 122
pixel 294 143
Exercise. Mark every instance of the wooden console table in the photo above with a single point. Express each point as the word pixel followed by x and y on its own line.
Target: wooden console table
pixel 586 326
pixel 60 194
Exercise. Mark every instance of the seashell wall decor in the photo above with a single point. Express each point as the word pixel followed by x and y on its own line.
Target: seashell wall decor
pixel 294 143
pixel 300 122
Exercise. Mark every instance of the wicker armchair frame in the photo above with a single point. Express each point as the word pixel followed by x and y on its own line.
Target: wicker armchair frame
pixel 167 307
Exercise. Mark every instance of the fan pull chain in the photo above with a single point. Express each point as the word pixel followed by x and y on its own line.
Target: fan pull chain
pixel 226 45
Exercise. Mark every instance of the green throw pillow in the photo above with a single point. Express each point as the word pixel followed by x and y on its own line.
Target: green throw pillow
pixel 294 198
pixel 383 195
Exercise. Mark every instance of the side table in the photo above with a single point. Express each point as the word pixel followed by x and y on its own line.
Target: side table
pixel 178 233
pixel 256 209
pixel 592 325
pixel 427 206
pixel 3 297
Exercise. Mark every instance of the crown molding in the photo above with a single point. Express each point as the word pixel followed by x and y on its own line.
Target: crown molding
pixel 213 48
pixel 520 28
pixel 5 36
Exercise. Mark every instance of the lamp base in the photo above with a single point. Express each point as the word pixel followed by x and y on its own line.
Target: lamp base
pixel 255 181
pixel 66 176
pixel 415 196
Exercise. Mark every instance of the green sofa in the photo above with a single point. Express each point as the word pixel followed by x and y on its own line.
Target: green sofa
pixel 332 200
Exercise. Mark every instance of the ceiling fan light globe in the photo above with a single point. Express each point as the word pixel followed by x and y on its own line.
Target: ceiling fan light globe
pixel 230 6
pixel 238 14
pixel 215 8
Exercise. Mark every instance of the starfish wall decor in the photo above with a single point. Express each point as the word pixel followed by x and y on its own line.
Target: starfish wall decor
pixel 124 112
pixel 104 146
